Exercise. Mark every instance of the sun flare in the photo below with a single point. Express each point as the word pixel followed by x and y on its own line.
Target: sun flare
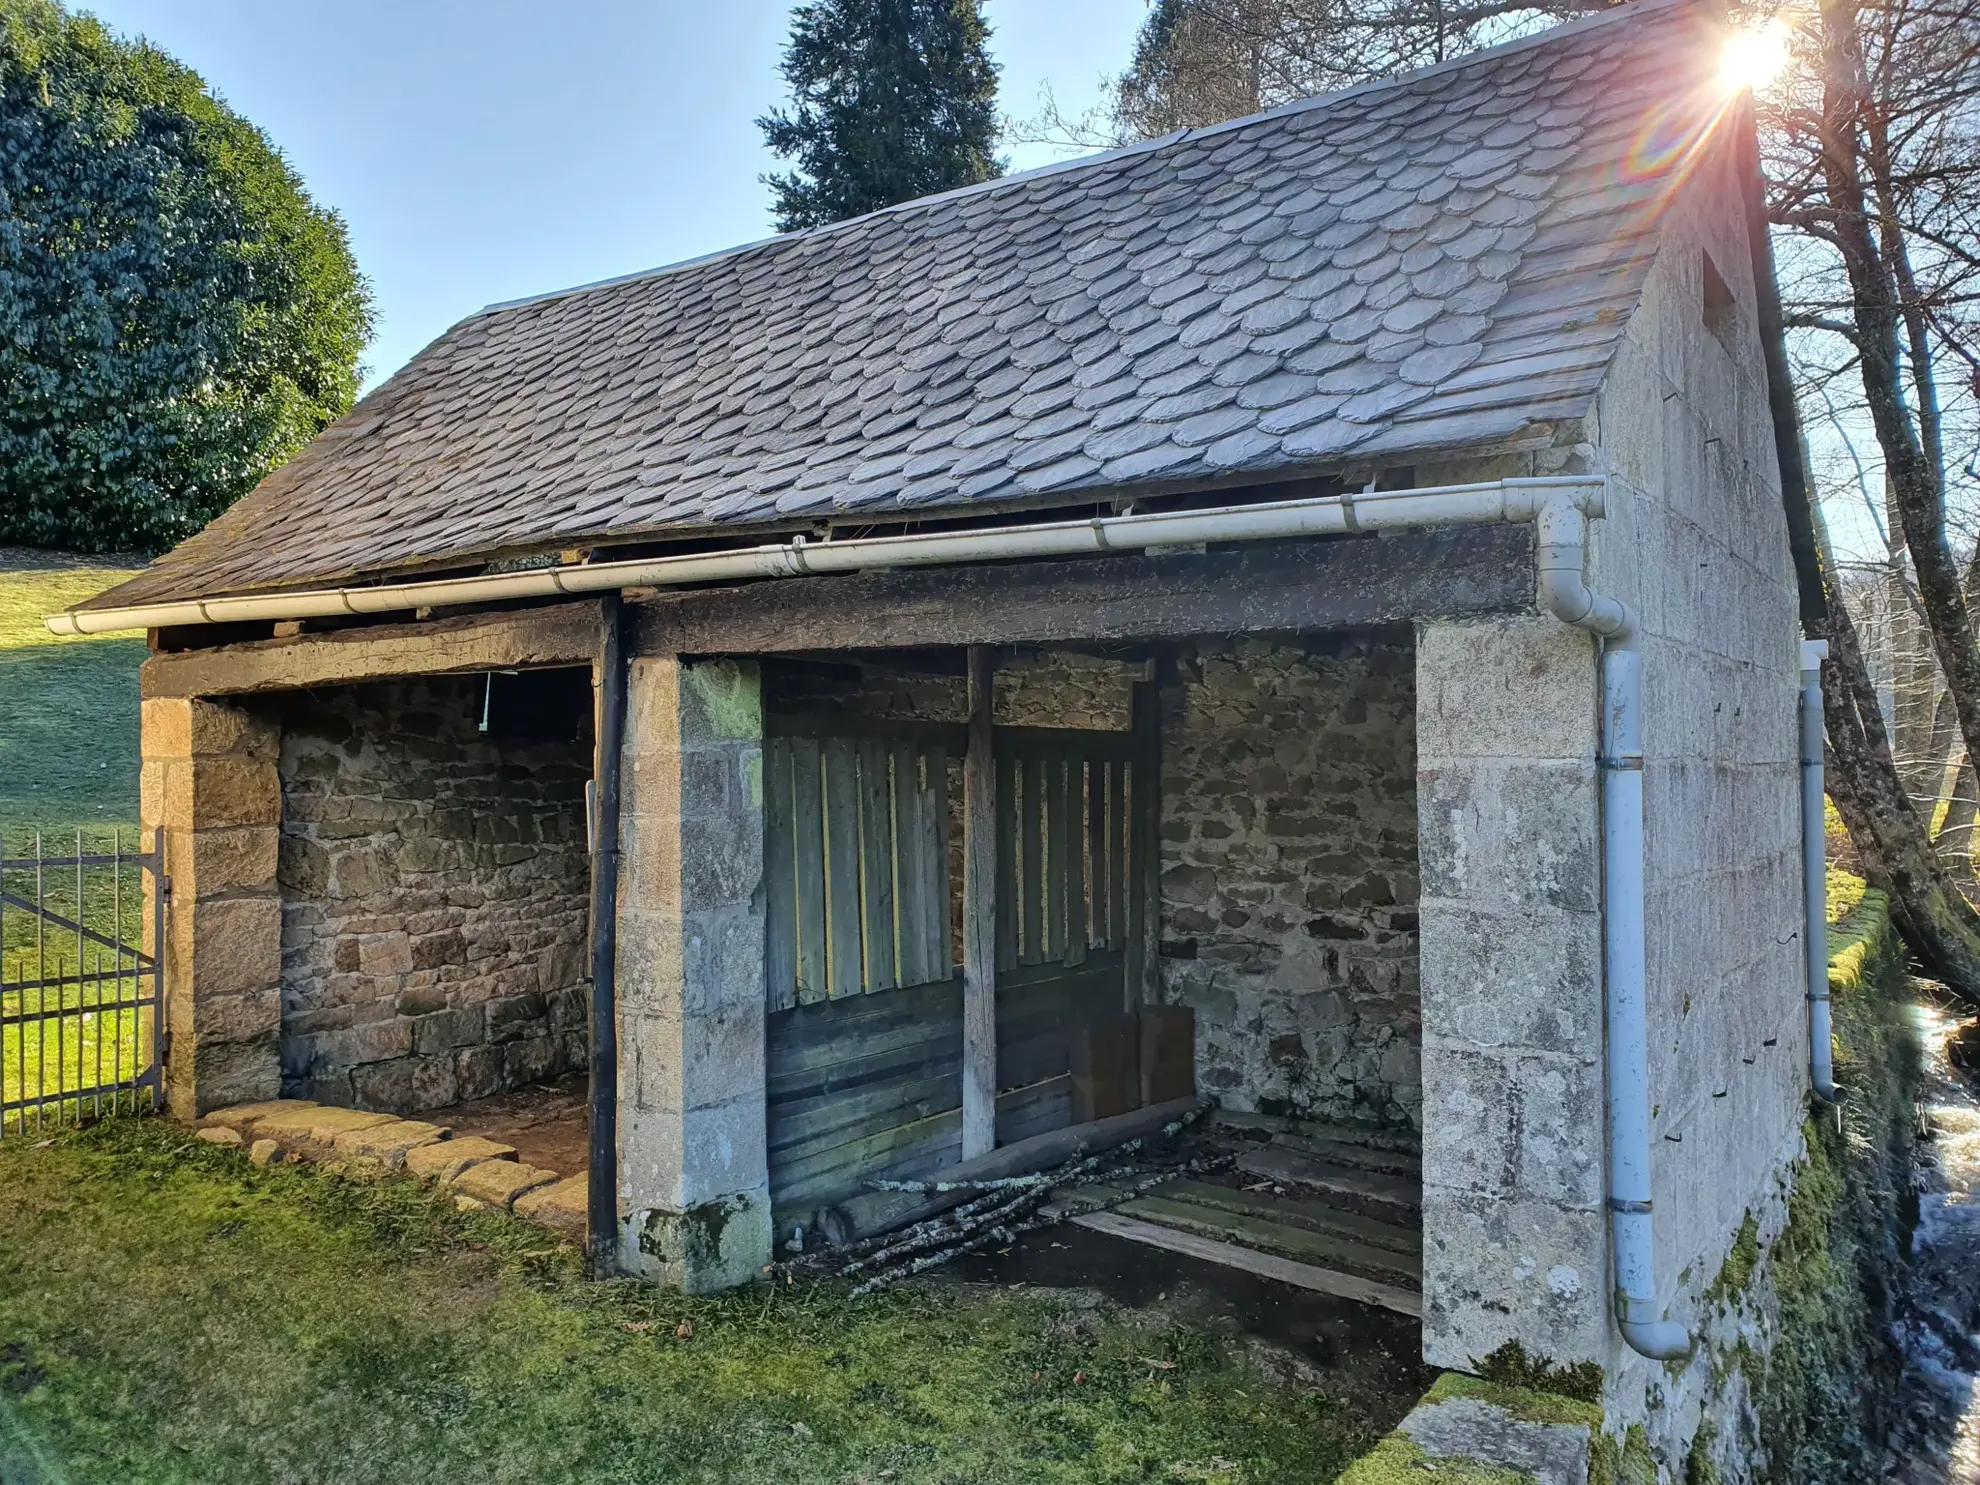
pixel 1754 56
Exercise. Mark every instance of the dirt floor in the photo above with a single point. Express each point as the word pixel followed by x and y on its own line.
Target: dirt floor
pixel 1368 1357
pixel 547 1124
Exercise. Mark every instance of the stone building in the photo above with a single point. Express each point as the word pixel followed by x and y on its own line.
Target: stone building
pixel 1166 594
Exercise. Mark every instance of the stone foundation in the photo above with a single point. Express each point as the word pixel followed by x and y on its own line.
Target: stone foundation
pixel 434 883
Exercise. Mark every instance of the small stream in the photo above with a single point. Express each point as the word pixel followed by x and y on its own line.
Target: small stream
pixel 1937 1440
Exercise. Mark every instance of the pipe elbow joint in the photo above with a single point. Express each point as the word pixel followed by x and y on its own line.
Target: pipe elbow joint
pixel 1650 1334
pixel 1660 1340
pixel 1831 1093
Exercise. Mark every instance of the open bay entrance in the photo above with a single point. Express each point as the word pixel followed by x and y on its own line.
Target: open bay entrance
pixel 864 992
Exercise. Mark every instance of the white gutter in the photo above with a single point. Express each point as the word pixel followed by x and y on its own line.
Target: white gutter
pixel 1367 510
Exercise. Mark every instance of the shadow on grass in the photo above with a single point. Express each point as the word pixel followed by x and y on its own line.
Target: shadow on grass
pixel 173 1314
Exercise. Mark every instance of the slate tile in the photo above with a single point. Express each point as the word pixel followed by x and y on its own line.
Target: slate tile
pixel 1455 255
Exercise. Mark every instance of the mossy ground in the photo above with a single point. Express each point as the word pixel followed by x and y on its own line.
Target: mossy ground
pixel 170 1314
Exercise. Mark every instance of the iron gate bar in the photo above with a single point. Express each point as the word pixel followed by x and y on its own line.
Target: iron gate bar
pixel 135 1016
pixel 14 899
pixel 28 863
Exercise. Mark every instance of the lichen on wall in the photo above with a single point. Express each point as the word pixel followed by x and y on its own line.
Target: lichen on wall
pixel 1289 876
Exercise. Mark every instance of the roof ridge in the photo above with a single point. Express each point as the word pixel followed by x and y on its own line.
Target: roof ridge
pixel 1612 16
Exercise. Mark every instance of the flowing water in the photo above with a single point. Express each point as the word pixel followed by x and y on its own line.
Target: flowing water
pixel 1937 1441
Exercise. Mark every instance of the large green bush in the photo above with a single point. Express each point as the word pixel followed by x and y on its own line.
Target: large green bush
pixel 177 317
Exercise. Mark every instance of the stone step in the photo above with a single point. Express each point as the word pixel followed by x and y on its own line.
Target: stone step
pixel 480 1174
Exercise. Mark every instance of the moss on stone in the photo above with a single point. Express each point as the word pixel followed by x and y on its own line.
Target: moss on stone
pixel 1862 939
pixel 1397 1460
pixel 1737 1271
pixel 1698 1466
pixel 1629 1462
pixel 1527 1404
pixel 1511 1366
pixel 1821 1392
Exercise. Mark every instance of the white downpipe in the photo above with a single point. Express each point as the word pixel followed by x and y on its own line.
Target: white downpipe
pixel 1815 875
pixel 1565 594
pixel 1367 510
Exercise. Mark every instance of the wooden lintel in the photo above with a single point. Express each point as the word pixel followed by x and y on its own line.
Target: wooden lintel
pixel 567 634
pixel 1336 583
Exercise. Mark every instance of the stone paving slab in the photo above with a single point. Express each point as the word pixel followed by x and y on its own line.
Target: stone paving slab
pixel 479 1173
pixel 561 1207
pixel 389 1142
pixel 440 1163
pixel 312 1132
pixel 242 1117
pixel 497 1183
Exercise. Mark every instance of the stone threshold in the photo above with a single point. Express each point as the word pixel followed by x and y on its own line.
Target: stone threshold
pixel 480 1174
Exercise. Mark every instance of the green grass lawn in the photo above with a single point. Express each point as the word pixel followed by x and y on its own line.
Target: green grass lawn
pixel 68 707
pixel 170 1314
pixel 68 772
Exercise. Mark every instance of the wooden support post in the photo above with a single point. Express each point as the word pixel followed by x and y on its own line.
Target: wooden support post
pixel 1144 884
pixel 979 1091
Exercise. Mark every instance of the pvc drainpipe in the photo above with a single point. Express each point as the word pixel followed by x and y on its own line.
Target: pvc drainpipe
pixel 1815 874
pixel 1366 510
pixel 1565 594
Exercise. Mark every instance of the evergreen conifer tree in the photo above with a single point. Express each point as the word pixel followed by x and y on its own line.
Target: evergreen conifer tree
pixel 890 99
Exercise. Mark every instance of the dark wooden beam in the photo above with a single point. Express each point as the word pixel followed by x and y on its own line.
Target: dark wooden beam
pixel 566 634
pixel 1339 583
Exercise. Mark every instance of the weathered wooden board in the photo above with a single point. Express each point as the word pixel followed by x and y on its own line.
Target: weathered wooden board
pixel 566 634
pixel 1262 1229
pixel 1342 582
pixel 876 864
pixel 780 965
pixel 808 813
pixel 1266 1265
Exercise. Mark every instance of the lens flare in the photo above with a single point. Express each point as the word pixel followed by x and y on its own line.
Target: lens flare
pixel 1753 56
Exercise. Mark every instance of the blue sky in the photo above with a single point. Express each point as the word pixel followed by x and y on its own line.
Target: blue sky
pixel 485 149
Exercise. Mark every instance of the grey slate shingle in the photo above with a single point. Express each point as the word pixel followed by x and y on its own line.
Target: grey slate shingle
pixel 1418 264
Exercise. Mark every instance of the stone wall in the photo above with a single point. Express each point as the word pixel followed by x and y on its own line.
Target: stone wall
pixel 1695 540
pixel 1289 879
pixel 434 886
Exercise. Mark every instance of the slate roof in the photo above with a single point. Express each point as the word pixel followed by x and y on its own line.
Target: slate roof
pixel 1430 262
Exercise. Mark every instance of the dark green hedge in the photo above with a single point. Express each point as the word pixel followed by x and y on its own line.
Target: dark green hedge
pixel 177 317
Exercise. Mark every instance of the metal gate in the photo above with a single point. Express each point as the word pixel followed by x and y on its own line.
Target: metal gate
pixel 79 989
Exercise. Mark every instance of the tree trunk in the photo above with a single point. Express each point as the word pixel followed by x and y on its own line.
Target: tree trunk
pixel 1955 837
pixel 1899 856
pixel 1916 490
pixel 1936 920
